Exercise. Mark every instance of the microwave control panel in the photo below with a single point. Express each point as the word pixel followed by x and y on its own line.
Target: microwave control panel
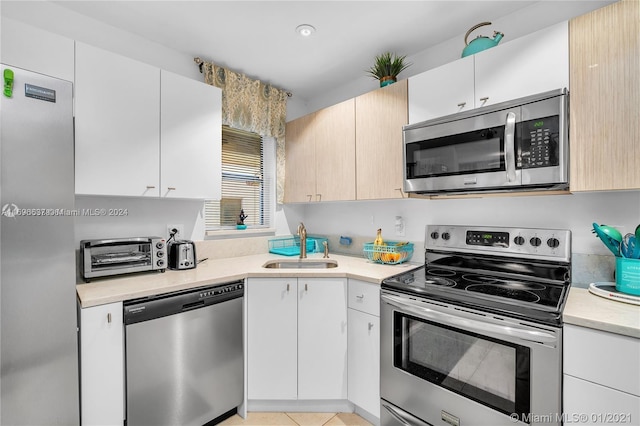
pixel 539 140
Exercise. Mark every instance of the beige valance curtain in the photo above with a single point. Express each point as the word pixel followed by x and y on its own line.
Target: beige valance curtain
pixel 254 106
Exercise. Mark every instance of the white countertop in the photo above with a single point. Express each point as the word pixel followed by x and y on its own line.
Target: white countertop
pixel 588 310
pixel 582 308
pixel 218 271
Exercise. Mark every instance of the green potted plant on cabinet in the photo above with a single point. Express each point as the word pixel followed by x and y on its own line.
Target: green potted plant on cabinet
pixel 387 66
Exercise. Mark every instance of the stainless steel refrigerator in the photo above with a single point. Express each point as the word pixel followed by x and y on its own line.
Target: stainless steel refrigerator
pixel 38 324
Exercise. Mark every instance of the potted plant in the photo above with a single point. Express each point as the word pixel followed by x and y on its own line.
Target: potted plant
pixel 240 223
pixel 386 68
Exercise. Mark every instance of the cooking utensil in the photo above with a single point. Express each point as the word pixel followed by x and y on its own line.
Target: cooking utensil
pixel 634 247
pixel 625 247
pixel 613 244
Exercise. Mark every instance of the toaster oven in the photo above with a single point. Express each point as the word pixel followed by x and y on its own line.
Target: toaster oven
pixel 107 257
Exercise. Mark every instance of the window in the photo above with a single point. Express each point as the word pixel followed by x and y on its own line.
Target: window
pixel 248 168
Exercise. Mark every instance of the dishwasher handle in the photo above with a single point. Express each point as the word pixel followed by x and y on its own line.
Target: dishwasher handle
pixel 192 305
pixel 149 308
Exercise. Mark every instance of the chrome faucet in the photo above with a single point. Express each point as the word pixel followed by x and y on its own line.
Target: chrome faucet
pixel 302 232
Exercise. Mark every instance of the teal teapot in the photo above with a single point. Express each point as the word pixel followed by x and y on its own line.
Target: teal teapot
pixel 480 43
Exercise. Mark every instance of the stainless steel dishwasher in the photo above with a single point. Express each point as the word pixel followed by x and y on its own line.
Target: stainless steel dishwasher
pixel 184 356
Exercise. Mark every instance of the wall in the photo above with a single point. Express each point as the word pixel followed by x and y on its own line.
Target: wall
pixel 576 212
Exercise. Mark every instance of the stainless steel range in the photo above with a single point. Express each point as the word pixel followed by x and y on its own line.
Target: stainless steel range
pixel 474 336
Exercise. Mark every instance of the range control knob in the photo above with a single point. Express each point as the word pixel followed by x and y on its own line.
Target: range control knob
pixel 446 236
pixel 159 245
pixel 160 263
pixel 553 242
pixel 519 240
pixel 435 235
pixel 535 241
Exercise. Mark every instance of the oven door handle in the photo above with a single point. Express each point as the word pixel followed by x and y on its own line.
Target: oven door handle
pixel 471 324
pixel 404 418
pixel 510 147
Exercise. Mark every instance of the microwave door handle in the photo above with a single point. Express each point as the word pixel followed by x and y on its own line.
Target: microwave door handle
pixel 470 324
pixel 509 146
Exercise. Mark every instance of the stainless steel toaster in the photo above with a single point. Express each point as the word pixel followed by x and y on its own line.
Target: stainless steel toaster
pixel 106 257
pixel 182 254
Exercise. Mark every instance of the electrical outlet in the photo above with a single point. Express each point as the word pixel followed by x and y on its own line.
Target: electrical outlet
pixel 179 235
pixel 399 225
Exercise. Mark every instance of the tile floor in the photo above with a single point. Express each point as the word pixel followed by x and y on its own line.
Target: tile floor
pixel 297 419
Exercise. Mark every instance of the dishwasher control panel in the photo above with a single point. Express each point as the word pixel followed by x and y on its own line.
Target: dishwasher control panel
pixel 224 289
pixel 148 308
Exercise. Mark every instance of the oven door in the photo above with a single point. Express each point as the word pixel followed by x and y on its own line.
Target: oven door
pixel 473 153
pixel 447 365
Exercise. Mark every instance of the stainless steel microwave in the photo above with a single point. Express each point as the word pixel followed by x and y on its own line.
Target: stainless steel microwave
pixel 517 145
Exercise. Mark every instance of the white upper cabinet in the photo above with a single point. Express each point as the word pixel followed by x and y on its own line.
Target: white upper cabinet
pixel 191 138
pixel 536 63
pixel 441 91
pixel 36 50
pixel 525 66
pixel 117 124
pixel 144 132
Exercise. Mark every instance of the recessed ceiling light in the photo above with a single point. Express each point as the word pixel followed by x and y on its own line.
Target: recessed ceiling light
pixel 305 30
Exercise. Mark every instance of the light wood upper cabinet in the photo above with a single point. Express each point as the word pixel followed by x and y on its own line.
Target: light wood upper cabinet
pixel 320 155
pixel 605 98
pixel 380 115
pixel 300 155
pixel 336 152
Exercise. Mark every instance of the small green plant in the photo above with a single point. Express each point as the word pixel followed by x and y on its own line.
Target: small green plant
pixel 388 65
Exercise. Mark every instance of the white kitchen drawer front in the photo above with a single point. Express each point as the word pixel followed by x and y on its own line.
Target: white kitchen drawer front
pixel 605 358
pixel 589 403
pixel 364 297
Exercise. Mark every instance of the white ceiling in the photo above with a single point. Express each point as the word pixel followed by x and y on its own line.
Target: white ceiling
pixel 258 37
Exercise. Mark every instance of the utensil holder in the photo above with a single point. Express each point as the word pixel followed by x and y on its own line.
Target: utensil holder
pixel 628 275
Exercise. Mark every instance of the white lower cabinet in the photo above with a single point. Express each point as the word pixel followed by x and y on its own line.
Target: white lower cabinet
pixel 272 333
pixel 364 346
pixel 601 382
pixel 364 361
pixel 102 365
pixel 297 338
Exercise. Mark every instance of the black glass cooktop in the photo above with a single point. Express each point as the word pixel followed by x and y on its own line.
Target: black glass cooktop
pixel 520 297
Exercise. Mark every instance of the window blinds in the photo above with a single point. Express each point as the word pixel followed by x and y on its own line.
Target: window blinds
pixel 248 167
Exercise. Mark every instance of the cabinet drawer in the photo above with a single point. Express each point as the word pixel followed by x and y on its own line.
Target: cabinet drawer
pixel 600 357
pixel 364 297
pixel 600 404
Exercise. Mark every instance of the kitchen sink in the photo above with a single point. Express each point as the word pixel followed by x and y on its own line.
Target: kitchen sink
pixel 301 264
